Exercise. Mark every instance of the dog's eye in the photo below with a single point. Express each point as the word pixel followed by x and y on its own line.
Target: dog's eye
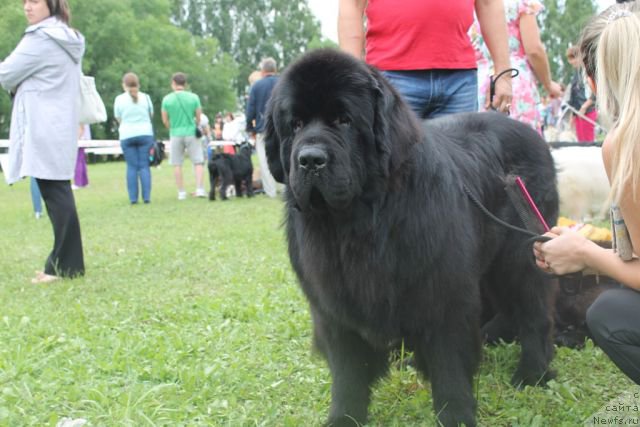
pixel 297 125
pixel 342 120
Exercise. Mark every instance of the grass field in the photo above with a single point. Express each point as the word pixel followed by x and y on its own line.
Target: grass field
pixel 190 315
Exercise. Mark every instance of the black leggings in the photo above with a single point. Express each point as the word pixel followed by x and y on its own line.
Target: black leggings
pixel 66 258
pixel 614 321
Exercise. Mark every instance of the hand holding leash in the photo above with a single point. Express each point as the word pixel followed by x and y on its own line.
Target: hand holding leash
pixel 500 95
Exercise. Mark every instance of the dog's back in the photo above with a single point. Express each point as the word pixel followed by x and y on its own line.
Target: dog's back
pixel 504 147
pixel 241 161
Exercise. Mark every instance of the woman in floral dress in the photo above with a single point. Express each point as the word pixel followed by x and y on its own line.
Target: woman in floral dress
pixel 528 56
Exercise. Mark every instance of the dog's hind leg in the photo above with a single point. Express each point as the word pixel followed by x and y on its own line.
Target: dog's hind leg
pixel 535 327
pixel 524 295
pixel 450 358
pixel 249 184
pixel 355 365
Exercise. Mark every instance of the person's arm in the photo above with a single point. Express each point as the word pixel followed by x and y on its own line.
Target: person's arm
pixel 198 111
pixel 536 54
pixel 22 63
pixel 629 205
pixel 493 26
pixel 351 26
pixel 165 119
pixel 607 262
pixel 250 114
pixel 198 114
pixel 117 114
pixel 150 106
pixel 587 104
pixel 163 113
pixel 569 251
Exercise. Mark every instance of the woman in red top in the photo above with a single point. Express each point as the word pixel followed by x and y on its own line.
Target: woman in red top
pixel 423 47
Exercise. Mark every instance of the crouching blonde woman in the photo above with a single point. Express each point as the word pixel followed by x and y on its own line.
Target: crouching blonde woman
pixel 611 54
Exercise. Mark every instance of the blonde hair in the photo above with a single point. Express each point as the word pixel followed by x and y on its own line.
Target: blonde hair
pixel 618 90
pixel 130 81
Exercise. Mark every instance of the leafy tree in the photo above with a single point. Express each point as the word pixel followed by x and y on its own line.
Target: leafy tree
pixel 318 43
pixel 250 30
pixel 138 36
pixel 562 22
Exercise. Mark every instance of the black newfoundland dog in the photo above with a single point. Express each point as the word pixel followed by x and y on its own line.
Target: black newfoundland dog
pixel 386 242
pixel 234 169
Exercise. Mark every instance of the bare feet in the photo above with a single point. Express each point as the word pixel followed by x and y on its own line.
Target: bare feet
pixel 42 277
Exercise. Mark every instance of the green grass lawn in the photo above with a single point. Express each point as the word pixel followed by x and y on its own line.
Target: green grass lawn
pixel 189 314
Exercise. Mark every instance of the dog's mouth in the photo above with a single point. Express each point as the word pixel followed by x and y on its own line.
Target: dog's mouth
pixel 317 202
pixel 309 198
pixel 319 199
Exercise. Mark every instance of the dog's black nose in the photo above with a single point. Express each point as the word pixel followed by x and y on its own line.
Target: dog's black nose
pixel 312 158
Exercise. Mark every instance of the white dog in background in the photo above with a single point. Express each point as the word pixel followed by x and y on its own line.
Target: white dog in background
pixel 582 183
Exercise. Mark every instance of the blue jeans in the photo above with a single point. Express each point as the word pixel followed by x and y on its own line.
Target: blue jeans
pixel 136 154
pixel 433 93
pixel 36 197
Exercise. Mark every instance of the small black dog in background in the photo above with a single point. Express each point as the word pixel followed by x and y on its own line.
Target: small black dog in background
pixel 232 169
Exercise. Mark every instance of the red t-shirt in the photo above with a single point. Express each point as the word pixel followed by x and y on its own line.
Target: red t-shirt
pixel 419 34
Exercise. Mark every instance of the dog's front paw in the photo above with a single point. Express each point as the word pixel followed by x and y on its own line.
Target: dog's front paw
pixel 455 412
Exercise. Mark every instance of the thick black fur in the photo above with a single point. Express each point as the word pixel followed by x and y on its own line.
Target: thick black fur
pixel 572 297
pixel 387 245
pixel 232 169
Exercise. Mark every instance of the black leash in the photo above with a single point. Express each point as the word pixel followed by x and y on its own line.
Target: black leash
pixel 534 237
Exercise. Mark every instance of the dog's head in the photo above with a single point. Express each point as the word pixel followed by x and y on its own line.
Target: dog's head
pixel 220 165
pixel 244 149
pixel 335 130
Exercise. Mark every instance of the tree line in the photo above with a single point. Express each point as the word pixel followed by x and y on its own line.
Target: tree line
pixel 218 43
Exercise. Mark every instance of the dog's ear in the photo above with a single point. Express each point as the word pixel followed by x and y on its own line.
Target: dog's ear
pixel 272 144
pixel 382 115
pixel 395 126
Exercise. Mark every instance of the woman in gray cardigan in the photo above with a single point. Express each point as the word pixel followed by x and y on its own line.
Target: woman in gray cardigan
pixel 43 74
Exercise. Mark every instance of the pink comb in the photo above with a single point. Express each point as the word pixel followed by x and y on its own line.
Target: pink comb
pixel 531 203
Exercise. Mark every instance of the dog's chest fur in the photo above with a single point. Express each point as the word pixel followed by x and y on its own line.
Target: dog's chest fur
pixel 361 272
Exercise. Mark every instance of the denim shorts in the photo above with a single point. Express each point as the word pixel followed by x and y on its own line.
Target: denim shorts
pixel 433 93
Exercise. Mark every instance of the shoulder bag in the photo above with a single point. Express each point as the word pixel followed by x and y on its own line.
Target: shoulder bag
pixel 91 109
